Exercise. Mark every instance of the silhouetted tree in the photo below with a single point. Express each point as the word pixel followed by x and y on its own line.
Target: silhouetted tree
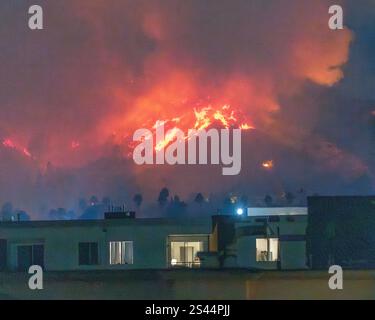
pixel 21 215
pixel 229 205
pixel 70 215
pixel 82 204
pixel 268 200
pixel 106 201
pixel 60 214
pixel 93 212
pixel 163 197
pixel 7 211
pixel 244 201
pixel 94 200
pixel 176 207
pixel 199 198
pixel 138 198
pixel 52 214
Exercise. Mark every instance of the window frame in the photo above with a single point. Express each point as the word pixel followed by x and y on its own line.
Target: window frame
pixel 90 255
pixel 186 263
pixel 32 256
pixel 268 240
pixel 123 244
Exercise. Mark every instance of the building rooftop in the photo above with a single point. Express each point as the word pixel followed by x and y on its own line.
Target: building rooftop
pixel 105 222
pixel 276 211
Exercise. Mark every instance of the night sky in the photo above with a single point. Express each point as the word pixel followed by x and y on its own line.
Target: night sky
pixel 72 95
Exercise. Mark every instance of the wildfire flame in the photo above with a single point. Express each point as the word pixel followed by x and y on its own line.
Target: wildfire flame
pixel 169 137
pixel 268 164
pixel 8 143
pixel 245 126
pixel 201 118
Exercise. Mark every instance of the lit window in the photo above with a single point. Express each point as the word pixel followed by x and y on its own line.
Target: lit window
pixel 121 252
pixel 267 249
pixel 184 253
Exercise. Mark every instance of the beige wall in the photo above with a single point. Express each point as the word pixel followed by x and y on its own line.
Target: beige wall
pixel 150 245
pixel 292 252
pixel 189 284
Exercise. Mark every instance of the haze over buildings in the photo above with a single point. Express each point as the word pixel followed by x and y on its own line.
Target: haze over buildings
pixel 73 94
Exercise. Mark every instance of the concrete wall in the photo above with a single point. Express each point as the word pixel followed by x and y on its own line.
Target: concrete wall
pixel 293 255
pixel 292 244
pixel 246 255
pixel 189 284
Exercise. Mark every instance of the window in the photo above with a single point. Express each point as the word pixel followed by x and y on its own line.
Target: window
pixel 3 254
pixel 184 253
pixel 121 252
pixel 28 255
pixel 267 249
pixel 88 253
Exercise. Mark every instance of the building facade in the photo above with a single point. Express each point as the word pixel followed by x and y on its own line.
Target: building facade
pixel 341 231
pixel 266 238
pixel 127 243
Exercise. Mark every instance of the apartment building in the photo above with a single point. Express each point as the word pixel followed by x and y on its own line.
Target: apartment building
pixel 341 231
pixel 265 238
pixel 113 243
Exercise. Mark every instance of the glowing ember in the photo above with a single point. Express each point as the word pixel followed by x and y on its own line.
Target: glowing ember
pixel 75 144
pixel 8 143
pixel 246 126
pixel 267 164
pixel 26 152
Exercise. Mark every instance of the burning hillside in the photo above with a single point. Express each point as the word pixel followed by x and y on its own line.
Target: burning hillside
pixel 75 95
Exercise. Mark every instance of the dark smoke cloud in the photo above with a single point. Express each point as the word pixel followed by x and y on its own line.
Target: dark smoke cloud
pixel 100 69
